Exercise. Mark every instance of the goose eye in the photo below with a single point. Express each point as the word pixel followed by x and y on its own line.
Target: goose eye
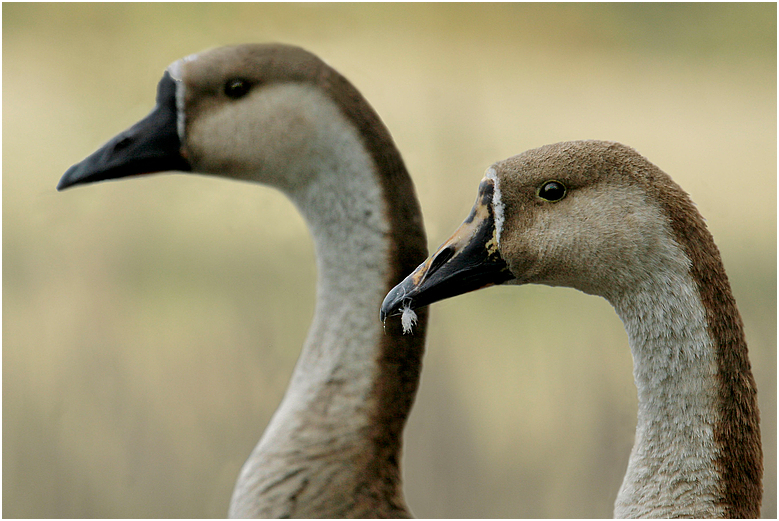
pixel 237 88
pixel 552 191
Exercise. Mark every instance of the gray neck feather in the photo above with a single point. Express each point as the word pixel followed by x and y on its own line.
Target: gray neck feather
pixel 672 470
pixel 310 461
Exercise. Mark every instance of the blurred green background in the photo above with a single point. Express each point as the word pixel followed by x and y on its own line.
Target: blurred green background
pixel 150 325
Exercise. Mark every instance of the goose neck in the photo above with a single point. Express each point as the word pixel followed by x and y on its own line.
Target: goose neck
pixel 318 454
pixel 697 451
pixel 673 461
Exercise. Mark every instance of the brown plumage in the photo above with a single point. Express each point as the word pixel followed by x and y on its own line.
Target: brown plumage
pixel 599 217
pixel 278 115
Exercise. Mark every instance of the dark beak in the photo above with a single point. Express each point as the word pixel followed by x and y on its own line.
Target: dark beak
pixel 151 145
pixel 468 261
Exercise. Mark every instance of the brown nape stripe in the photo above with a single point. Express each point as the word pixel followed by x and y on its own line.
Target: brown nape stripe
pixel 401 355
pixel 737 434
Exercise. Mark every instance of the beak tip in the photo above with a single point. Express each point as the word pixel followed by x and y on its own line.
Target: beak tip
pixel 66 180
pixel 63 184
pixel 75 175
pixel 392 302
pixel 386 307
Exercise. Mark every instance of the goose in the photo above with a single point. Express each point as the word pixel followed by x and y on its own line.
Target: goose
pixel 278 115
pixel 598 217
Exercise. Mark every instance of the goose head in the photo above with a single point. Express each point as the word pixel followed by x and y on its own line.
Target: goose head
pixel 261 112
pixel 277 115
pixel 591 215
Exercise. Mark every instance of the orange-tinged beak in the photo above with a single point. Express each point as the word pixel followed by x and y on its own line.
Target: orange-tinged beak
pixel 468 261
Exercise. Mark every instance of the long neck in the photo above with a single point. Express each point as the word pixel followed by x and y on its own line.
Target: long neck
pixel 697 449
pixel 332 449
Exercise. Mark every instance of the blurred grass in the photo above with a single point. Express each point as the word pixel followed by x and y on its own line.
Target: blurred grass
pixel 150 326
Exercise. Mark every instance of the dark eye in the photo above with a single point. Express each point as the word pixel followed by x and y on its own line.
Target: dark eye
pixel 552 191
pixel 237 88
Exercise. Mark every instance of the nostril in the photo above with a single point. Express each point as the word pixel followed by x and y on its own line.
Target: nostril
pixel 122 143
pixel 441 259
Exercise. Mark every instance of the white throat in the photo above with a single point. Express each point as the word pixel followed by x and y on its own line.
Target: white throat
pixel 672 470
pixel 317 437
pixel 497 202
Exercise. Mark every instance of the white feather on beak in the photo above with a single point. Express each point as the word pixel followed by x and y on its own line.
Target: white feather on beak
pixel 408 319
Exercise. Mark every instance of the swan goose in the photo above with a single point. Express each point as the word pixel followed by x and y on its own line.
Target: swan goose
pixel 278 115
pixel 598 217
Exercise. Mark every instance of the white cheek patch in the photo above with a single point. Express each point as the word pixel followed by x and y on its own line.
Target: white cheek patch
pixel 408 320
pixel 497 204
pixel 177 73
pixel 180 114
